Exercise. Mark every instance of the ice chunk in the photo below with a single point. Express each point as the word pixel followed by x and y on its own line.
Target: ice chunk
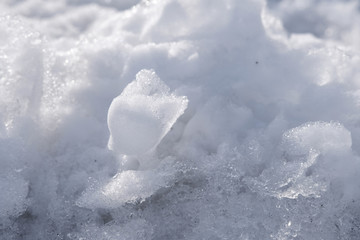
pixel 142 114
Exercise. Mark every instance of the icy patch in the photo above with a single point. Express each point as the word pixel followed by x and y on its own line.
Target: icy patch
pixel 127 186
pixel 295 172
pixel 143 114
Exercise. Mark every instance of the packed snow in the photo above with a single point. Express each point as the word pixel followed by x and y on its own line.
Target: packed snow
pixel 168 119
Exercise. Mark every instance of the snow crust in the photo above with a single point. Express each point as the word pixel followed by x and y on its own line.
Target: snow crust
pixel 168 119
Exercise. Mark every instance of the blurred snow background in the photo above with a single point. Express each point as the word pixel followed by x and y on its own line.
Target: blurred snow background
pixel 230 120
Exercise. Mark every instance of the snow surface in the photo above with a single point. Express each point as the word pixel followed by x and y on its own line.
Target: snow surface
pixel 167 119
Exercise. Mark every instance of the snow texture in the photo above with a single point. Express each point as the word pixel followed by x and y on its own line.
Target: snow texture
pixel 168 119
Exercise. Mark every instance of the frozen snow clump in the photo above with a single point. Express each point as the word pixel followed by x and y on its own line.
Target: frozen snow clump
pixel 319 136
pixel 142 114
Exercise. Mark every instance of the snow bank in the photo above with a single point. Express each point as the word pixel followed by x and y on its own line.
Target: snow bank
pixel 247 126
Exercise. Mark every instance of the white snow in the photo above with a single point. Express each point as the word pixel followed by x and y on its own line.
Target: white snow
pixel 13 199
pixel 191 119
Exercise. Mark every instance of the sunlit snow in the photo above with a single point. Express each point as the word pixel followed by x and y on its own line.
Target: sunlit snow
pixel 169 119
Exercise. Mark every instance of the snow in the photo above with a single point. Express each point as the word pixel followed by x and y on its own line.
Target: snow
pixel 13 198
pixel 166 119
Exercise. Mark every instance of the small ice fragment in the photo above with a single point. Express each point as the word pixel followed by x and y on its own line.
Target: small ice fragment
pixel 143 114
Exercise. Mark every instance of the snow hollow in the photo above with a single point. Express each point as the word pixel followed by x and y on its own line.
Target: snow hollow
pixel 168 119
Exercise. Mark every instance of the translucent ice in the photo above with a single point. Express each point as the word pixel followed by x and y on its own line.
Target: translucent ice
pixel 142 114
pixel 297 170
pixel 126 187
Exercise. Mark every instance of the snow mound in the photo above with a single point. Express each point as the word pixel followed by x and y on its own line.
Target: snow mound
pixel 265 145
